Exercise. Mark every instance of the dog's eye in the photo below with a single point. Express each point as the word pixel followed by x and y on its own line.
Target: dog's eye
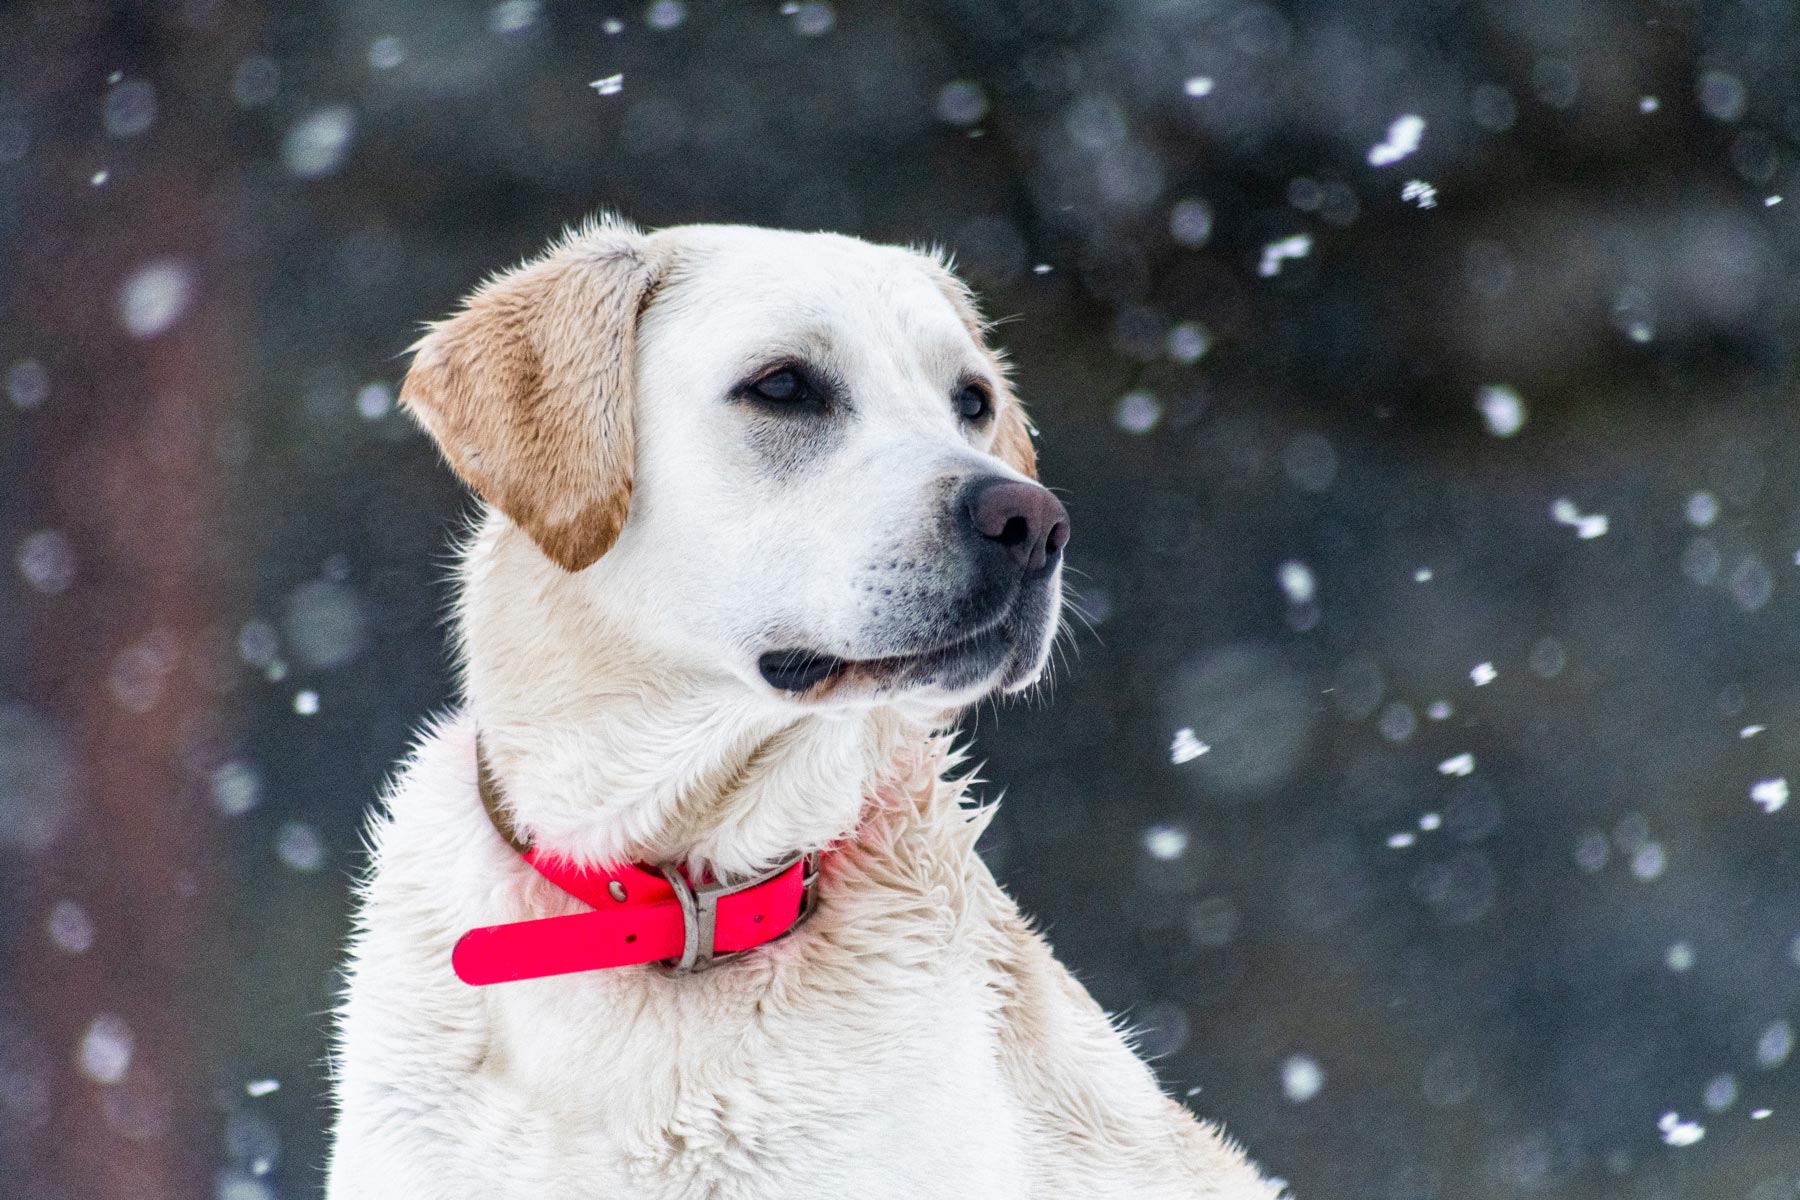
pixel 781 387
pixel 792 389
pixel 973 403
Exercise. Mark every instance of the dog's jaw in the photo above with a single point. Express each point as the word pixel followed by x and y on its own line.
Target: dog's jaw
pixel 608 753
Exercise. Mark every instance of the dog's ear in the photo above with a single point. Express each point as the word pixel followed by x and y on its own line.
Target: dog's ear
pixel 1012 436
pixel 528 390
pixel 1012 429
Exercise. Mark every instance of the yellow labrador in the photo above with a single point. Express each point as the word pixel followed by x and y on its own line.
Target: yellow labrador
pixel 684 901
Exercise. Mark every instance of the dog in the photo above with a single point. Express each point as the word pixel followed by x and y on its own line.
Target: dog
pixel 684 900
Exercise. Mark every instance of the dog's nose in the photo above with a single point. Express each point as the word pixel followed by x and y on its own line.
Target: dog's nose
pixel 1026 519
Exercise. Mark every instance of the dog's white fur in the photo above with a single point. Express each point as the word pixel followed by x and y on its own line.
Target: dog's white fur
pixel 914 1037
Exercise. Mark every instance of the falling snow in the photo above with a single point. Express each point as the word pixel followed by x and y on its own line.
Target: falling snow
pixel 1402 140
pixel 1287 249
pixel 1191 223
pixel 1417 191
pixel 1397 722
pixel 962 103
pixel 1302 1078
pixel 1186 747
pixel 510 16
pixel 1649 861
pixel 1502 408
pixel 1770 794
pixel 325 623
pixel 1774 1045
pixel 386 53
pixel 1187 342
pixel 1722 95
pixel 70 927
pixel 27 383
pixel 664 15
pixel 1702 509
pixel 1297 582
pixel 1266 476
pixel 1592 852
pixel 1137 412
pixel 1588 527
pixel 317 144
pixel 105 1052
pixel 154 297
pixel 130 108
pixel 47 561
pixel 298 846
pixel 1721 1093
pixel 374 401
pixel 1166 842
pixel 812 18
pixel 236 788
pixel 1678 1132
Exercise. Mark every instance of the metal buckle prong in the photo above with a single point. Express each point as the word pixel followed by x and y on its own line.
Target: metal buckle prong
pixel 700 910
pixel 690 922
pixel 809 887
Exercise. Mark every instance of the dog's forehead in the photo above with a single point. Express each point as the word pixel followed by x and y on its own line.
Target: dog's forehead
pixel 759 283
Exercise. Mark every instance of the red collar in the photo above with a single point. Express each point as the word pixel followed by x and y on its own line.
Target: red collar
pixel 640 914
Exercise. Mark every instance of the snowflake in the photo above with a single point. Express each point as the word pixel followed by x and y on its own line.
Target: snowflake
pixel 1402 140
pixel 1186 747
pixel 1461 764
pixel 1771 794
pixel 1276 253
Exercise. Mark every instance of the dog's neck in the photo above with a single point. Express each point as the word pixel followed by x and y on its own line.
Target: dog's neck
pixel 607 755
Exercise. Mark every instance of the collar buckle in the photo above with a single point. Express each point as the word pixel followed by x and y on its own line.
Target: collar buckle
pixel 700 910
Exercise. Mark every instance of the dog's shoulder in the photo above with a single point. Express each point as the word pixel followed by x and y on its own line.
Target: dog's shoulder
pixel 1092 1118
pixel 1104 1125
pixel 404 1030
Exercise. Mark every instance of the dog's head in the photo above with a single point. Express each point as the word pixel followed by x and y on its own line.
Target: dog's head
pixel 792 454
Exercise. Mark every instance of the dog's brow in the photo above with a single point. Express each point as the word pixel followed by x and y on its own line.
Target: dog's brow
pixel 806 344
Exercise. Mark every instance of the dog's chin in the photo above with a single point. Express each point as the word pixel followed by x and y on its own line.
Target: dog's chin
pixel 1007 655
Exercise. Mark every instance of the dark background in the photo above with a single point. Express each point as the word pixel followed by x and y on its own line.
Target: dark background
pixel 225 552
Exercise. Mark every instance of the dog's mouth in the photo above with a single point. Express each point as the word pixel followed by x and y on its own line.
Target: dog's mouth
pixel 798 670
pixel 1000 651
pixel 813 675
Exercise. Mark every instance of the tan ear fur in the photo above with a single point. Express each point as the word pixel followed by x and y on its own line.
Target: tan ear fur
pixel 528 390
pixel 1012 428
pixel 1012 437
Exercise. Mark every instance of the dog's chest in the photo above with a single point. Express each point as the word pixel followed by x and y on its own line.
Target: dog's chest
pixel 679 1096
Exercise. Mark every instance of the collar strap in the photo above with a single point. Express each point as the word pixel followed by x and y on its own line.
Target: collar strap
pixel 639 914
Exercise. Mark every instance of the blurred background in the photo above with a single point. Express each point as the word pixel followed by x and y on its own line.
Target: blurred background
pixel 1420 374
